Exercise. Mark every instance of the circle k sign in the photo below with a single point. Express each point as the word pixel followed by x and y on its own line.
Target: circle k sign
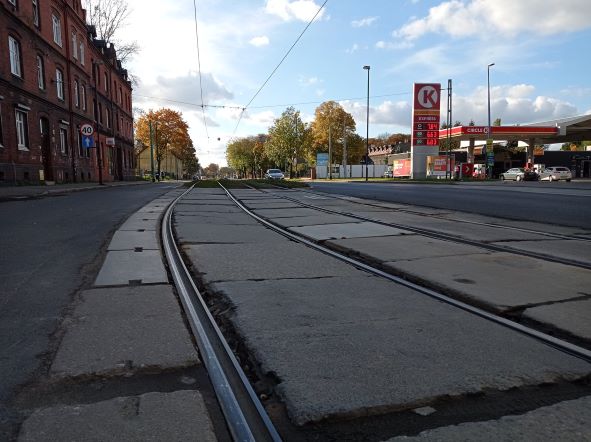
pixel 427 96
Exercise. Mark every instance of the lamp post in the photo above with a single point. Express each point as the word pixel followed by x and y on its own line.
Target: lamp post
pixel 367 126
pixel 488 131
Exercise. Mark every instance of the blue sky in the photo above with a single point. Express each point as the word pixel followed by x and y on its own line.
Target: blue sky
pixel 539 47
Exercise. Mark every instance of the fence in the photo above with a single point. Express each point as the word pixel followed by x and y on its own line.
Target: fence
pixel 352 171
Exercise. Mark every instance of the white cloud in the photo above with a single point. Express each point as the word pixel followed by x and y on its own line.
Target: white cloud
pixel 497 18
pixel 302 10
pixel 309 81
pixel 367 21
pixel 263 40
pixel 405 44
pixel 352 49
pixel 387 113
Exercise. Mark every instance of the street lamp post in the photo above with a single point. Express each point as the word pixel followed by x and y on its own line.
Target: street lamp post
pixel 367 126
pixel 488 133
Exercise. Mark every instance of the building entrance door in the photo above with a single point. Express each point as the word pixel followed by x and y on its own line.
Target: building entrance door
pixel 46 149
pixel 586 169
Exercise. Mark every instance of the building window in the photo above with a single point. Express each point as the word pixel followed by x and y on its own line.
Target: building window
pixel 100 113
pixel 1 133
pixel 57 29
pixel 76 93
pixel 81 148
pixel 36 12
pixel 83 97
pixel 22 129
pixel 63 140
pixel 106 81
pixel 40 73
pixel 82 53
pixel 59 83
pixel 108 117
pixel 119 96
pixel 15 56
pixel 74 46
pixel 12 2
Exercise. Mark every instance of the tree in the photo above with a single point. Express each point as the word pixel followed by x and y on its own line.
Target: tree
pixel 247 155
pixel 170 134
pixel 108 17
pixel 284 144
pixel 227 172
pixel 497 122
pixel 331 118
pixel 212 170
pixel 576 145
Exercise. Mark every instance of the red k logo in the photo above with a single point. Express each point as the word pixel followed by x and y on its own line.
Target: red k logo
pixel 428 97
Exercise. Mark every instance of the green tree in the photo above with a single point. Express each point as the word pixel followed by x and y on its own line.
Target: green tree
pixel 284 145
pixel 247 155
pixel 331 119
pixel 497 122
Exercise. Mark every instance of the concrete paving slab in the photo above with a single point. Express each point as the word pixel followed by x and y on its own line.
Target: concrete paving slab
pixel 286 213
pixel 225 234
pixel 464 230
pixel 200 208
pixel 204 202
pixel 240 262
pixel 504 280
pixel 346 344
pixel 561 248
pixel 272 204
pixel 347 230
pixel 122 330
pixel 238 219
pixel 130 240
pixel 177 416
pixel 573 317
pixel 138 222
pixel 205 190
pixel 121 267
pixel 404 247
pixel 566 421
pixel 320 218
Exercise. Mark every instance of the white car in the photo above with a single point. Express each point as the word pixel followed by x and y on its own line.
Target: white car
pixel 556 173
pixel 274 174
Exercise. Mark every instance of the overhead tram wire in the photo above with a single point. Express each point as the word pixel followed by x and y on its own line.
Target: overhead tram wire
pixel 199 67
pixel 279 64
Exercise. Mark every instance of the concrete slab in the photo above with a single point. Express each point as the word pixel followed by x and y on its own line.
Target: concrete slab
pixel 129 240
pixel 286 213
pixel 122 330
pixel 121 267
pixel 463 230
pixel 561 248
pixel 404 247
pixel 566 422
pixel 238 219
pixel 177 416
pixel 320 218
pixel 241 262
pixel 225 234
pixel 504 280
pixel 272 204
pixel 573 317
pixel 200 208
pixel 205 191
pixel 348 230
pixel 206 202
pixel 138 222
pixel 361 344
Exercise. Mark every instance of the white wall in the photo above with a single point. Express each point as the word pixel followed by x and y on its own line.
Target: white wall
pixel 353 171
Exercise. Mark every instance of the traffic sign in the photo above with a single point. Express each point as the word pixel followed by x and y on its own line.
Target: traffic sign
pixel 87 130
pixel 87 141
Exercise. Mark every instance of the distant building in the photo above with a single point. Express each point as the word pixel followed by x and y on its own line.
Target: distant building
pixel 383 154
pixel 55 76
pixel 171 166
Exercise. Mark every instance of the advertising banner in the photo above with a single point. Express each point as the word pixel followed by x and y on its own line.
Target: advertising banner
pixel 401 168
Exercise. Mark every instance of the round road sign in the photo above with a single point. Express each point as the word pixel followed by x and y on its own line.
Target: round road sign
pixel 87 129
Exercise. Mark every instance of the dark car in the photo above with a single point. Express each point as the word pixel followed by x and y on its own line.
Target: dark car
pixel 520 174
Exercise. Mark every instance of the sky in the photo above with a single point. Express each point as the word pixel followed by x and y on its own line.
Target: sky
pixel 539 49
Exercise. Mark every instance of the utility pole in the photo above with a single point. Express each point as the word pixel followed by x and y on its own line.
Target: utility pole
pixel 151 150
pixel 344 148
pixel 329 152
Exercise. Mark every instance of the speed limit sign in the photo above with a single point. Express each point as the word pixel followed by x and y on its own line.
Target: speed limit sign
pixel 87 129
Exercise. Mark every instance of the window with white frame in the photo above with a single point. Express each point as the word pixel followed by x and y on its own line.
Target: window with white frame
pixel 83 96
pixel 108 117
pixel 82 53
pixel 40 73
pixel 22 129
pixel 106 81
pixel 57 29
pixel 63 140
pixel 14 48
pixel 36 12
pixel 1 132
pixel 74 45
pixel 76 93
pixel 119 96
pixel 59 83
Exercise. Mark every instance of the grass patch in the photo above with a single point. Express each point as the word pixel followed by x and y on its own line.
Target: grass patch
pixel 270 184
pixel 212 184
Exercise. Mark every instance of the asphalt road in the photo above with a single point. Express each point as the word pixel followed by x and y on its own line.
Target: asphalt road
pixel 50 249
pixel 567 204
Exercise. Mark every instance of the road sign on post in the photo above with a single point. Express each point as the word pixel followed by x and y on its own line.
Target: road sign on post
pixel 87 141
pixel 86 130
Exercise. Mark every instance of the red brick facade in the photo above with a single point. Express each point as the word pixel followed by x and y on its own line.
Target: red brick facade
pixel 54 76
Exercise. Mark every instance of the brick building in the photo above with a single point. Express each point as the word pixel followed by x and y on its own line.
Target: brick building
pixel 56 76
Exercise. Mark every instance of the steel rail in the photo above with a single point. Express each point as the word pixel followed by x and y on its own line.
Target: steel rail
pixel 245 416
pixel 447 237
pixel 477 223
pixel 559 344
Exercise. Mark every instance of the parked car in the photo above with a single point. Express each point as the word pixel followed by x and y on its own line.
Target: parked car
pixel 520 174
pixel 388 173
pixel 274 174
pixel 556 173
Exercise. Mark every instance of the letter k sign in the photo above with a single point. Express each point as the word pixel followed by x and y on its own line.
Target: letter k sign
pixel 428 97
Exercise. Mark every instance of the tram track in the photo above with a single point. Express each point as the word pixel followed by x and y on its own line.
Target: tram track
pixel 452 238
pixel 552 341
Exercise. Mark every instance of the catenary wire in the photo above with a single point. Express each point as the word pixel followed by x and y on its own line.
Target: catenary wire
pixel 199 67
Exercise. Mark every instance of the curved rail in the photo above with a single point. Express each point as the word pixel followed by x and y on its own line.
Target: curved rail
pixel 547 339
pixel 245 416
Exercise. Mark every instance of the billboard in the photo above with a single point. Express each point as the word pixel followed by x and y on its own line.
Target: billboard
pixel 322 159
pixel 425 125
pixel 437 165
pixel 401 168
